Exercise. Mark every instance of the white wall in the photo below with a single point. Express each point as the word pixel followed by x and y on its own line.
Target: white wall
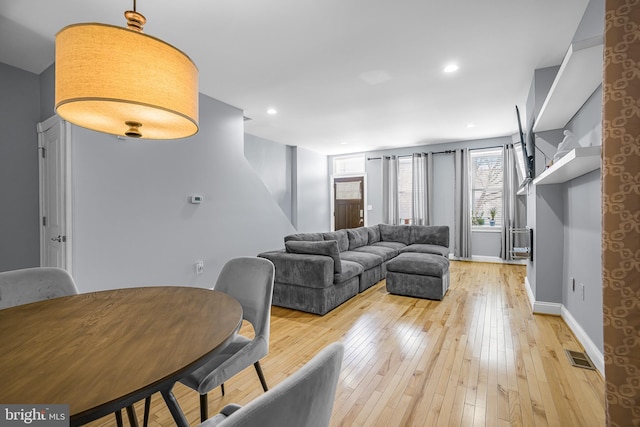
pixel 133 224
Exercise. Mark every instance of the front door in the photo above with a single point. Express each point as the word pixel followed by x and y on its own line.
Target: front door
pixel 54 244
pixel 348 202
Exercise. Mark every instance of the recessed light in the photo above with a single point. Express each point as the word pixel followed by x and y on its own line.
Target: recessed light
pixel 272 111
pixel 471 125
pixel 451 68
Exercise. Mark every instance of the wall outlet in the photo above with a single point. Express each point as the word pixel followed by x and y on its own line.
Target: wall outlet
pixel 199 267
pixel 582 290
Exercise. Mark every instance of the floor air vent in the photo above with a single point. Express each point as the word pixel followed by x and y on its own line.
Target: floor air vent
pixel 579 359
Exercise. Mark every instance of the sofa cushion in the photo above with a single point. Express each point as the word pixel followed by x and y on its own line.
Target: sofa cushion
pixel 395 233
pixel 385 252
pixel 339 236
pixel 357 237
pixel 420 264
pixel 328 248
pixel 392 245
pixel 426 249
pixel 374 234
pixel 430 234
pixel 306 237
pixel 350 269
pixel 364 259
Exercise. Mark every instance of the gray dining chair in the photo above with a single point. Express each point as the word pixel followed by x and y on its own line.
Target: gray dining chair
pixel 305 399
pixel 250 281
pixel 18 287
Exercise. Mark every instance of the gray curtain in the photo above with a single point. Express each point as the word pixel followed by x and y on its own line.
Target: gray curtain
pixel 510 211
pixel 391 211
pixel 422 206
pixel 462 201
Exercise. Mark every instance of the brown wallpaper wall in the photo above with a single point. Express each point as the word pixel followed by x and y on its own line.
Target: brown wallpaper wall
pixel 621 211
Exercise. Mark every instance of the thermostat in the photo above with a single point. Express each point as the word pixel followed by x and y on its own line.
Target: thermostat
pixel 196 199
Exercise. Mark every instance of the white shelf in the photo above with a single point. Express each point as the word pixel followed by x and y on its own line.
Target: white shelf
pixel 575 163
pixel 579 76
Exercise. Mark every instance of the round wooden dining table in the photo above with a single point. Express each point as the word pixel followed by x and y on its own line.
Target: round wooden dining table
pixel 103 351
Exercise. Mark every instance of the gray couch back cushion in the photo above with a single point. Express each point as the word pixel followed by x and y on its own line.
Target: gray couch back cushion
pixel 374 234
pixel 358 237
pixel 395 233
pixel 327 248
pixel 339 236
pixel 305 237
pixel 430 234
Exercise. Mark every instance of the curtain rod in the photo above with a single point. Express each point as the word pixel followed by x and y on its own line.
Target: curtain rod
pixel 441 152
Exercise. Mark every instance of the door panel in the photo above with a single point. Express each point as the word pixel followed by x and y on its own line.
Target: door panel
pixel 53 196
pixel 348 202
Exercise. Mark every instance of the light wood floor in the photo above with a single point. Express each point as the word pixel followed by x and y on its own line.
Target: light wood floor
pixel 477 358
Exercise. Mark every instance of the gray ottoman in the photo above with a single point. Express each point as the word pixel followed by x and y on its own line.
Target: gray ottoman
pixel 418 275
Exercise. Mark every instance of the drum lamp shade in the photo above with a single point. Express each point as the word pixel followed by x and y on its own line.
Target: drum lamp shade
pixel 124 82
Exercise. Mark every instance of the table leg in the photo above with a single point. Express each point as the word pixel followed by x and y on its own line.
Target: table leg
pixel 174 408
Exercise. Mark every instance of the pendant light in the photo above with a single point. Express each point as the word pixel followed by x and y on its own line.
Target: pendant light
pixel 123 82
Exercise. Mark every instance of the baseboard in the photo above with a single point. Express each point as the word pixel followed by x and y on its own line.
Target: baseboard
pixel 489 259
pixel 527 287
pixel 553 308
pixel 592 350
pixel 557 309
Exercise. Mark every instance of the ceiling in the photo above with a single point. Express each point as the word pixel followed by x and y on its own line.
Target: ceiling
pixel 344 75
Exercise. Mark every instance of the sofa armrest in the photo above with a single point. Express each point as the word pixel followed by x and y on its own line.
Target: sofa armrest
pixel 312 271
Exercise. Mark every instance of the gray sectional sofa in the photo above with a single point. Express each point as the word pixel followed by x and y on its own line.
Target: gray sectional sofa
pixel 317 272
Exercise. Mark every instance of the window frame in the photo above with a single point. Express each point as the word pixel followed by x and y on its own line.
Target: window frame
pixel 347 171
pixel 498 187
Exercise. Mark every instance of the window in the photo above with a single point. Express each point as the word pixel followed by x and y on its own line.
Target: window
pixel 347 165
pixel 405 189
pixel 486 187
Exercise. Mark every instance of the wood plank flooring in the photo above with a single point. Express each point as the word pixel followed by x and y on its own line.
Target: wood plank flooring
pixel 477 358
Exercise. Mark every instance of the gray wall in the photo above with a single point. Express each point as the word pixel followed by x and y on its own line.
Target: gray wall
pixel 19 199
pixel 132 221
pixel 583 229
pixel 47 92
pixel 483 243
pixel 133 224
pixel 566 219
pixel 298 180
pixel 312 201
pixel 548 246
pixel 273 164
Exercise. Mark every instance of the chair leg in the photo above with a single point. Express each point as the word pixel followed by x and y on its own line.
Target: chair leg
pixel 147 409
pixel 261 376
pixel 133 419
pixel 119 418
pixel 204 408
pixel 222 388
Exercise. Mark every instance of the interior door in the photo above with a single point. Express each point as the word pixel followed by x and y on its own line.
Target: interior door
pixel 348 202
pixel 54 242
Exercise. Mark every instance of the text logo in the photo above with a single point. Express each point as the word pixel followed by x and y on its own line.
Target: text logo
pixel 34 415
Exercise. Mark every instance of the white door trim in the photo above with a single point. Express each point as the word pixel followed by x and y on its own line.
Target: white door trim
pixel 64 181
